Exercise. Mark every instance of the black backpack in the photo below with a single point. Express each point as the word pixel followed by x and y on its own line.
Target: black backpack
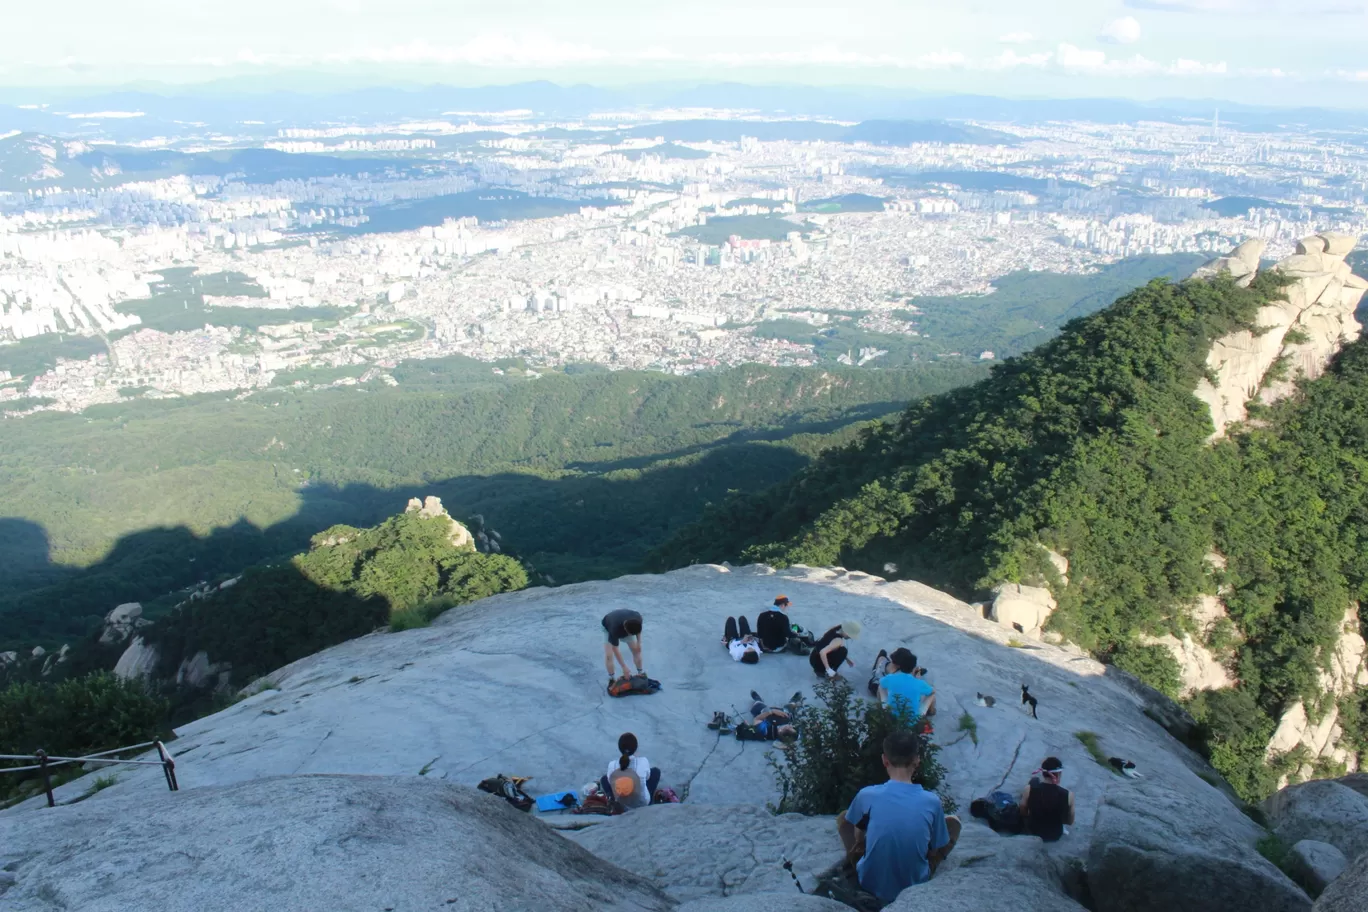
pixel 508 790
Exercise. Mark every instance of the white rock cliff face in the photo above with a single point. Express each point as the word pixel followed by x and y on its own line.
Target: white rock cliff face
pixel 1318 315
pixel 516 685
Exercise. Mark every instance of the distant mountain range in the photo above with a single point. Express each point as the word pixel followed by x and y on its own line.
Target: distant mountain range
pixel 247 111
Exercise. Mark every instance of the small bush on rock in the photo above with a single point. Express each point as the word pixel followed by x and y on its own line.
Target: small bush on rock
pixel 839 751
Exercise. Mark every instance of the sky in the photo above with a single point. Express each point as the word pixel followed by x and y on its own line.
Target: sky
pixel 1276 52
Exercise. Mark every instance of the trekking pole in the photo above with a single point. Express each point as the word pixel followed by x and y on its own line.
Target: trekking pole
pixel 788 866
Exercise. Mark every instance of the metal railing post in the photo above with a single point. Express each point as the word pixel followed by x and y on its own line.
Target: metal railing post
pixel 47 776
pixel 168 767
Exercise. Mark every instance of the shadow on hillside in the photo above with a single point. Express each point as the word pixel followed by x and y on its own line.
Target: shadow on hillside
pixel 569 528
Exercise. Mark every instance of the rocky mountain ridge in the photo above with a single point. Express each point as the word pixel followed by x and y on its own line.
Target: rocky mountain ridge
pixel 513 684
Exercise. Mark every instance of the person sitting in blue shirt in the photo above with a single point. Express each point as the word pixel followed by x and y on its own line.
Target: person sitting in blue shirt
pixel 898 830
pixel 905 685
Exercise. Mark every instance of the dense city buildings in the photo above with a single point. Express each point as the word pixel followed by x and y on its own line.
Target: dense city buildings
pixel 574 243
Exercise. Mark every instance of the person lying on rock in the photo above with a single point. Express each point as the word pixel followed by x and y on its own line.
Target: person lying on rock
pixel 1046 808
pixel 743 645
pixel 897 833
pixel 769 723
pixel 829 652
pixel 631 780
pixel 618 625
pixel 777 633
pixel 904 688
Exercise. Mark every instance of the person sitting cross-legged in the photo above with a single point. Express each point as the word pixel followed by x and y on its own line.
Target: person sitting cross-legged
pixel 898 831
pixel 631 780
pixel 778 634
pixel 904 687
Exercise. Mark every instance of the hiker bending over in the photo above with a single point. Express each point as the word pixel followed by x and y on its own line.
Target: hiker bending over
pixel 622 624
pixel 1045 806
pixel 830 651
pixel 631 780
pixel 898 831
pixel 743 645
pixel 769 723
pixel 904 686
pixel 778 634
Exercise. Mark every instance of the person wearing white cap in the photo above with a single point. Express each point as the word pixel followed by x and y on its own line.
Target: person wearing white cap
pixel 830 651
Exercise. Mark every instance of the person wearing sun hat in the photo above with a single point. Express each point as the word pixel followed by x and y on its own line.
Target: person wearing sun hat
pixel 830 650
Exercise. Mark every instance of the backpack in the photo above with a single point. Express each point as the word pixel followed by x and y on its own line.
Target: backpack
pixel 664 795
pixel 1000 811
pixel 627 789
pixel 636 684
pixel 508 790
pixel 596 803
pixel 843 885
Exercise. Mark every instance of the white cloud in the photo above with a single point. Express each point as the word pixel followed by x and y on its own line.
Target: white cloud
pixel 1017 38
pixel 1352 75
pixel 1098 63
pixel 1125 30
pixel 106 115
pixel 1010 59
pixel 1183 67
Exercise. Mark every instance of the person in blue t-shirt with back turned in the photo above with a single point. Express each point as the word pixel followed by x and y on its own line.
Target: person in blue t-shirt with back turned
pixel 898 830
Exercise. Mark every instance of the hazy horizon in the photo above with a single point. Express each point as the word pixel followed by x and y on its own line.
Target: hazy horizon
pixel 1239 51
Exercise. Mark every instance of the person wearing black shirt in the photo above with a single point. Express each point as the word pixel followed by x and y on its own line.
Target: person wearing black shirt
pixel 1046 807
pixel 622 624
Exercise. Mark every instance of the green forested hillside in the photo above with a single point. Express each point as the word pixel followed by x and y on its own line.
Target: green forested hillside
pixel 581 474
pixel 1094 445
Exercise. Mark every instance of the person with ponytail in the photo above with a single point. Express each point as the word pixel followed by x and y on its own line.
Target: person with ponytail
pixel 1046 806
pixel 631 780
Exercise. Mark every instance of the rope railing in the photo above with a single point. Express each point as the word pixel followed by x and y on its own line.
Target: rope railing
pixel 47 763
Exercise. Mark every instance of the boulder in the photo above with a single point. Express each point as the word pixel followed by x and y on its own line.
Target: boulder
pixel 1356 781
pixel 1022 608
pixel 120 623
pixel 695 851
pixel 1250 252
pixel 1152 849
pixel 197 671
pixel 139 660
pixel 1311 246
pixel 306 843
pixel 1338 244
pixel 1348 892
pixel 1323 810
pixel 1316 864
pixel 987 871
pixel 431 508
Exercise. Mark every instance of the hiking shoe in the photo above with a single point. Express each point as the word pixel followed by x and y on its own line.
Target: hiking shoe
pixel 755 697
pixel 796 699
pixel 719 719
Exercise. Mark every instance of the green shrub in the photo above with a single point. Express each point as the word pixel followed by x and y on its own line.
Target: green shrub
pixel 967 724
pixel 1234 732
pixel 76 717
pixel 1154 665
pixel 839 751
pixel 1092 744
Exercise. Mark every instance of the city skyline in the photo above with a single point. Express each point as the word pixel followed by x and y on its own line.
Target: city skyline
pixel 1246 51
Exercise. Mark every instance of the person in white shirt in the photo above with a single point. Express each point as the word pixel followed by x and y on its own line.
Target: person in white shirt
pixel 631 779
pixel 743 645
